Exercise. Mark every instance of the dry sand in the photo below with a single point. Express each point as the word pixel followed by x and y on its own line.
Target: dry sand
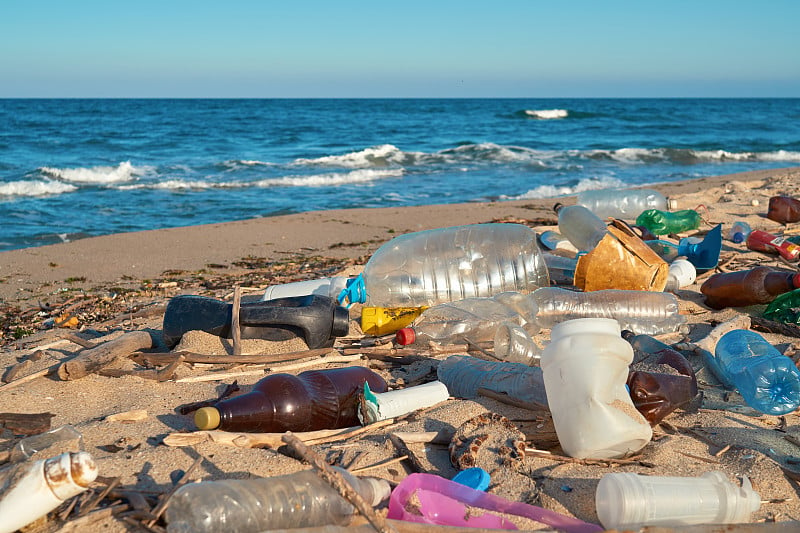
pixel 116 283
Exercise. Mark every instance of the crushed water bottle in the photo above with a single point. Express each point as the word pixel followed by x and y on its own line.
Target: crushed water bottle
pixel 646 312
pixel 767 380
pixel 622 203
pixel 302 499
pixel 464 375
pixel 448 264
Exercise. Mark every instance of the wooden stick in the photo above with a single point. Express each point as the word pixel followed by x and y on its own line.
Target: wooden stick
pixel 30 377
pixel 167 358
pixel 337 481
pixel 277 368
pixel 379 464
pixel 402 449
pixel 91 360
pixel 251 440
pixel 236 330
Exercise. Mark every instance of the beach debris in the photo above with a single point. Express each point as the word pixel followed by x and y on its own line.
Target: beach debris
pixel 135 415
pixel 489 441
pixel 338 482
pixel 31 490
pixel 94 359
pixel 26 424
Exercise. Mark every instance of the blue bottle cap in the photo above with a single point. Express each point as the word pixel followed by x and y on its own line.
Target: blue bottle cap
pixel 475 478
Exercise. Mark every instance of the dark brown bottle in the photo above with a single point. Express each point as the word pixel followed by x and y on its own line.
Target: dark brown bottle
pixel 784 209
pixel 312 400
pixel 657 394
pixel 748 287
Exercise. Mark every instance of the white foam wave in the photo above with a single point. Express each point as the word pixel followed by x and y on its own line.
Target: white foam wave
pixel 332 178
pixel 547 114
pixel 497 153
pixel 586 184
pixel 235 163
pixel 101 174
pixel 376 156
pixel 34 188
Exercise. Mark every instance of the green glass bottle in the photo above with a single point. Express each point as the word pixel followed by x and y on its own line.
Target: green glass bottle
pixel 664 222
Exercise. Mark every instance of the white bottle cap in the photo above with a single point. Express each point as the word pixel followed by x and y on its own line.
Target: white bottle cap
pixel 672 204
pixel 683 272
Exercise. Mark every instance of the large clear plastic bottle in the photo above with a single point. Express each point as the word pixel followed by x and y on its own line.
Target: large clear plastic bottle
pixel 464 375
pixel 621 203
pixel 767 380
pixel 448 264
pixel 302 499
pixel 583 228
pixel 473 319
pixel 647 312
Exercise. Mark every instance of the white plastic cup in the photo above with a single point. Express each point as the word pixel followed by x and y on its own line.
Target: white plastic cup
pixel 330 287
pixel 585 368
pixel 631 501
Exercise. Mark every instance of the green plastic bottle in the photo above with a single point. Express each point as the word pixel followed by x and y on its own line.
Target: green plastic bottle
pixel 664 222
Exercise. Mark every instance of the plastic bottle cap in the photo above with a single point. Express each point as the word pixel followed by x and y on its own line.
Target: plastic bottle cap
pixel 207 418
pixel 796 280
pixel 405 336
pixel 476 478
pixel 672 204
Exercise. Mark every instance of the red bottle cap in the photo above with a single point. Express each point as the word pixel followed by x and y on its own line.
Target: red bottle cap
pixel 796 280
pixel 405 336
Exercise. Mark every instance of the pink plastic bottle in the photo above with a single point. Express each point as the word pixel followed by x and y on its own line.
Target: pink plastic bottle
pixel 430 499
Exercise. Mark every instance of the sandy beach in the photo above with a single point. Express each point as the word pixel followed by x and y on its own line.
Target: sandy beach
pixel 113 284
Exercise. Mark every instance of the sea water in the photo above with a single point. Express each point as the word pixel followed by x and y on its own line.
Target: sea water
pixel 75 168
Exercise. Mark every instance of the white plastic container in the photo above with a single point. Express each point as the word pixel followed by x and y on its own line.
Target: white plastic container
pixel 330 287
pixel 682 273
pixel 35 489
pixel 385 405
pixel 631 501
pixel 626 204
pixel 585 367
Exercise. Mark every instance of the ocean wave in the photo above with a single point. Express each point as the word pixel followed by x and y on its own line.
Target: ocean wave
pixel 684 155
pixel 383 155
pixel 586 184
pixel 547 114
pixel 35 188
pixel 494 153
pixel 236 163
pixel 331 178
pixel 96 175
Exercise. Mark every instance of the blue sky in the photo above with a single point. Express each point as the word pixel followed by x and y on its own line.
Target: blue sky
pixel 305 48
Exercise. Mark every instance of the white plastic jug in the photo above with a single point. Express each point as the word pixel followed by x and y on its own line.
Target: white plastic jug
pixel 585 367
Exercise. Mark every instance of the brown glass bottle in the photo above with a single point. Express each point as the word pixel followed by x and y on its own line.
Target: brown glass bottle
pixel 657 394
pixel 312 400
pixel 784 209
pixel 748 287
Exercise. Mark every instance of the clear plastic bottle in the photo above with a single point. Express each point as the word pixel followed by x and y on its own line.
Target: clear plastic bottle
pixel 302 499
pixel 311 400
pixel 583 228
pixel 767 380
pixel 476 319
pixel 645 312
pixel 464 375
pixel 553 240
pixel 628 501
pixel 448 264
pixel 621 203
pixel 331 287
pixel 663 222
pixel 739 231
pixel 561 269
pixel 759 285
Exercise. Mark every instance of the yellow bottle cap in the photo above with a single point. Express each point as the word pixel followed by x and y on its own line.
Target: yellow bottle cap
pixel 207 418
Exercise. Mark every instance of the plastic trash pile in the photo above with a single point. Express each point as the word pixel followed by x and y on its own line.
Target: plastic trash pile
pixel 561 319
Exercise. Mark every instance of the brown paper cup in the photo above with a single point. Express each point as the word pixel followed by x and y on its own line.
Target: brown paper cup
pixel 621 261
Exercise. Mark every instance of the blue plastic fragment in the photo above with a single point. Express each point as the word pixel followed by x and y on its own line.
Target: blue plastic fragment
pixel 475 478
pixel 354 292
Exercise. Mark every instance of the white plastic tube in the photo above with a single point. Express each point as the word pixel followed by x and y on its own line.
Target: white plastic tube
pixel 394 403
pixel 330 287
pixel 29 491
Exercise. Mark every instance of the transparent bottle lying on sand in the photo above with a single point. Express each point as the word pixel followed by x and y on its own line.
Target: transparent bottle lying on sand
pixel 302 499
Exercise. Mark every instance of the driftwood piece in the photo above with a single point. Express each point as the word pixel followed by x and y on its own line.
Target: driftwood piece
pixel 26 424
pixel 248 440
pixel 771 326
pixel 94 359
pixel 187 408
pixel 709 342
